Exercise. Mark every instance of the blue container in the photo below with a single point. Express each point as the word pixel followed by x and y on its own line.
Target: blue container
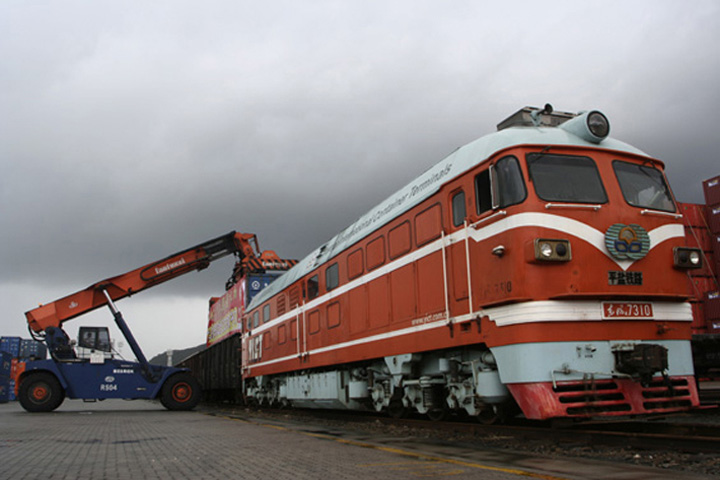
pixel 257 282
pixel 11 391
pixel 5 364
pixel 32 350
pixel 4 389
pixel 10 345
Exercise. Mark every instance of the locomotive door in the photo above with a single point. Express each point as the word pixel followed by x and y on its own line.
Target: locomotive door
pixel 459 275
pixel 298 325
pixel 298 329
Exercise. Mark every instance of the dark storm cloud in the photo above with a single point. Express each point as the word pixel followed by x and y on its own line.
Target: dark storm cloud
pixel 130 131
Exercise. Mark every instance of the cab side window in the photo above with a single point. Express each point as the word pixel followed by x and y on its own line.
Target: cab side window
pixel 313 287
pixel 483 192
pixel 266 313
pixel 332 277
pixel 458 208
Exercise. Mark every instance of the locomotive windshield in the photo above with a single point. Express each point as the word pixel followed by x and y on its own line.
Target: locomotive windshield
pixel 643 186
pixel 566 178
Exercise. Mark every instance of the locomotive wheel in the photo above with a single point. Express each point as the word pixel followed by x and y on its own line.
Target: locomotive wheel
pixel 180 392
pixel 41 392
pixel 437 414
pixel 491 416
pixel 396 409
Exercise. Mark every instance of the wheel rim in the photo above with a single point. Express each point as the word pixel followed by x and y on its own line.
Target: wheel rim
pixel 39 393
pixel 182 392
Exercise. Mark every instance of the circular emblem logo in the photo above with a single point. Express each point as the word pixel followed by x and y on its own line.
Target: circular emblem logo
pixel 109 379
pixel 627 241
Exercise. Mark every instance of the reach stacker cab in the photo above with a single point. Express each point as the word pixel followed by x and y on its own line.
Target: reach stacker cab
pixel 90 371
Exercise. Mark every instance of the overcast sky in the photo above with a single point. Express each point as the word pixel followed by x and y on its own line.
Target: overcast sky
pixel 131 130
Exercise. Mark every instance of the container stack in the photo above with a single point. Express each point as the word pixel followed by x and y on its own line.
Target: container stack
pixel 711 303
pixel 32 350
pixel 12 351
pixel 11 345
pixel 702 280
pixel 5 369
pixel 9 352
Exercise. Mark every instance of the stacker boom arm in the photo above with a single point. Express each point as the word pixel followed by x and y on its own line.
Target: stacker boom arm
pixel 54 314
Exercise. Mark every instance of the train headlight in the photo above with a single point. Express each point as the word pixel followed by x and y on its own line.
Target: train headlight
pixel 552 250
pixel 684 257
pixel 598 124
pixel 591 126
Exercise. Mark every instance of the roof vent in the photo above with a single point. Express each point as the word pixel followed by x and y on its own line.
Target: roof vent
pixel 536 117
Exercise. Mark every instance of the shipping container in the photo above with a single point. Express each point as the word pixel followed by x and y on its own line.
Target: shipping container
pixel 711 189
pixel 6 362
pixel 11 391
pixel 709 266
pixel 712 307
pixel 31 349
pixel 256 283
pixel 4 389
pixel 698 286
pixel 226 312
pixel 217 368
pixel 713 218
pixel 10 345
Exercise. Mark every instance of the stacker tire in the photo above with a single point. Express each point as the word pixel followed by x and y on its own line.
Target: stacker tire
pixel 180 392
pixel 40 392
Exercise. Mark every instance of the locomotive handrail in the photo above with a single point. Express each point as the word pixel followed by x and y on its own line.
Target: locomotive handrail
pixel 304 330
pixel 594 208
pixel 500 213
pixel 664 214
pixel 467 267
pixel 445 280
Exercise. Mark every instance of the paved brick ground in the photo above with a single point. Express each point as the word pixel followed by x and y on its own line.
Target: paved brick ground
pixel 140 440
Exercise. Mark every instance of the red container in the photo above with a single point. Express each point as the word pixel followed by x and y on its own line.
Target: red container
pixel 693 214
pixel 711 188
pixel 713 217
pixel 712 307
pixel 699 286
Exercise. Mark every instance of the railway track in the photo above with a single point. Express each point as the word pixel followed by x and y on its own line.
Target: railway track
pixel 659 435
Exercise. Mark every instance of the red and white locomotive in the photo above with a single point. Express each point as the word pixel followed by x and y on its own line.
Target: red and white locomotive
pixel 541 266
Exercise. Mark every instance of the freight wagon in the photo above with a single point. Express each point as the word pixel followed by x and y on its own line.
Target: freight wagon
pixel 218 367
